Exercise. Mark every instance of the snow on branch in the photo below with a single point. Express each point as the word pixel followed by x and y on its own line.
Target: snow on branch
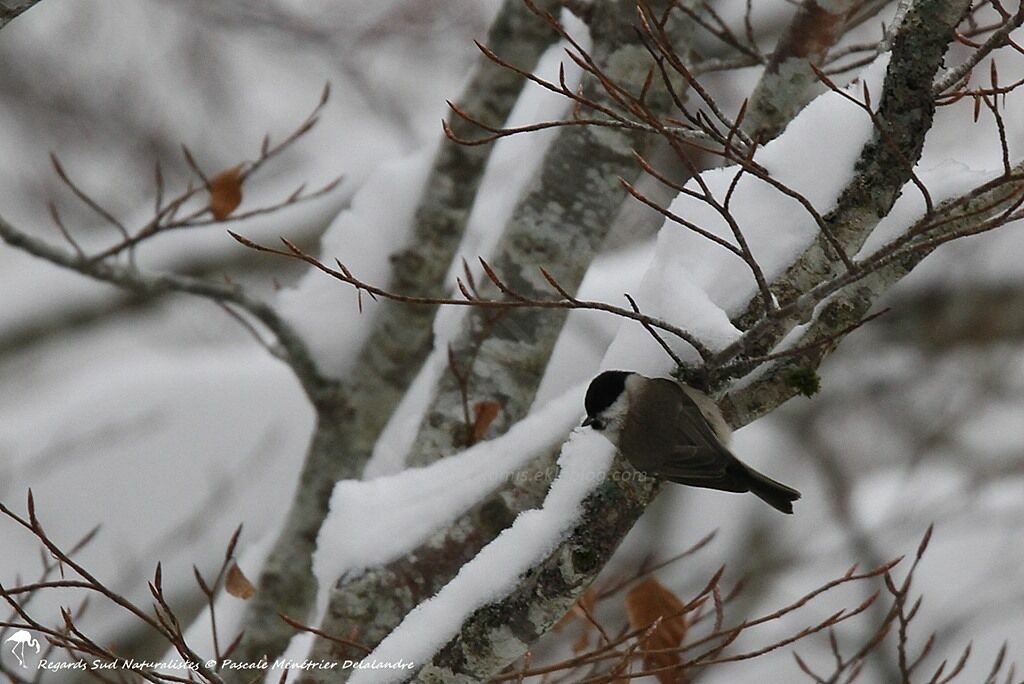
pixel 989 206
pixel 761 268
pixel 800 266
pixel 373 522
pixel 788 82
pixel 887 161
pixel 497 569
pixel 398 341
pixel 567 220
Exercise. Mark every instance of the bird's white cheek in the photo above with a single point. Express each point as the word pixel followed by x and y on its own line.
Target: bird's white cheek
pixel 611 433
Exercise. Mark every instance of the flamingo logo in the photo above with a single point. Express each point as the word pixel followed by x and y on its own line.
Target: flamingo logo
pixel 20 639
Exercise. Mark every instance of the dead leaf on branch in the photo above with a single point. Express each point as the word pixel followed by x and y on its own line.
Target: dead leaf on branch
pixel 225 192
pixel 651 602
pixel 237 584
pixel 484 413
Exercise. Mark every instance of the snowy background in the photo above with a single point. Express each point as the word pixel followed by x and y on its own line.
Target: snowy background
pixel 163 422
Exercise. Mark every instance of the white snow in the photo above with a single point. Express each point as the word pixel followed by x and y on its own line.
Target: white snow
pixel 398 435
pixel 587 334
pixel 495 571
pixel 512 165
pixel 137 420
pixel 516 159
pixel 325 311
pixel 691 283
pixel 375 521
pixel 168 425
pixel 698 285
pixel 948 179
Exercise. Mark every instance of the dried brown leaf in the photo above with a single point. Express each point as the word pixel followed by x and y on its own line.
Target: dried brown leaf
pixel 225 192
pixel 484 413
pixel 651 602
pixel 237 584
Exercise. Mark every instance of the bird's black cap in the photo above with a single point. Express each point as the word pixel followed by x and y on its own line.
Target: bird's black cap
pixel 604 390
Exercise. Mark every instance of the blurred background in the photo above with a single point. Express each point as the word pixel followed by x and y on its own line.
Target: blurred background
pixel 160 420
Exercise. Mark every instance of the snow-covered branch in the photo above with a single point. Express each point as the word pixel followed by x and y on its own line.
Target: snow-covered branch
pixel 398 343
pixel 561 220
pixel 447 510
pixel 988 207
pixel 788 82
pixel 886 165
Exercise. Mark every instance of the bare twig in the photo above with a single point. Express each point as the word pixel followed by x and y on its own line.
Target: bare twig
pixel 292 348
pixel 348 643
pixel 999 38
pixel 516 300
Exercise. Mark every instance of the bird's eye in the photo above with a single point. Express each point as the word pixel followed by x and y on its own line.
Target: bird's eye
pixel 597 424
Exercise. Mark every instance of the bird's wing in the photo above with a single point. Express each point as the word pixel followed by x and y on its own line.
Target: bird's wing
pixel 678 444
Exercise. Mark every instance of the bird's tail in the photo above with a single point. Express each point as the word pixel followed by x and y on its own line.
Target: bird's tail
pixel 775 494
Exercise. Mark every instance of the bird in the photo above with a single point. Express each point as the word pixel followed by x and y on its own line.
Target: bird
pixel 675 432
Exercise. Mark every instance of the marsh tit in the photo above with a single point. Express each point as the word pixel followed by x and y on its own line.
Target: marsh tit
pixel 675 432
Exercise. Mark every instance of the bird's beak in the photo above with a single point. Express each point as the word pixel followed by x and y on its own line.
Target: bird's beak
pixel 587 422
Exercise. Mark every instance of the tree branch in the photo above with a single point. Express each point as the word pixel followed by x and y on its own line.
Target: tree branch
pixel 852 303
pixel 612 508
pixel 902 121
pixel 400 339
pixel 290 348
pixel 561 220
pixel 788 82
